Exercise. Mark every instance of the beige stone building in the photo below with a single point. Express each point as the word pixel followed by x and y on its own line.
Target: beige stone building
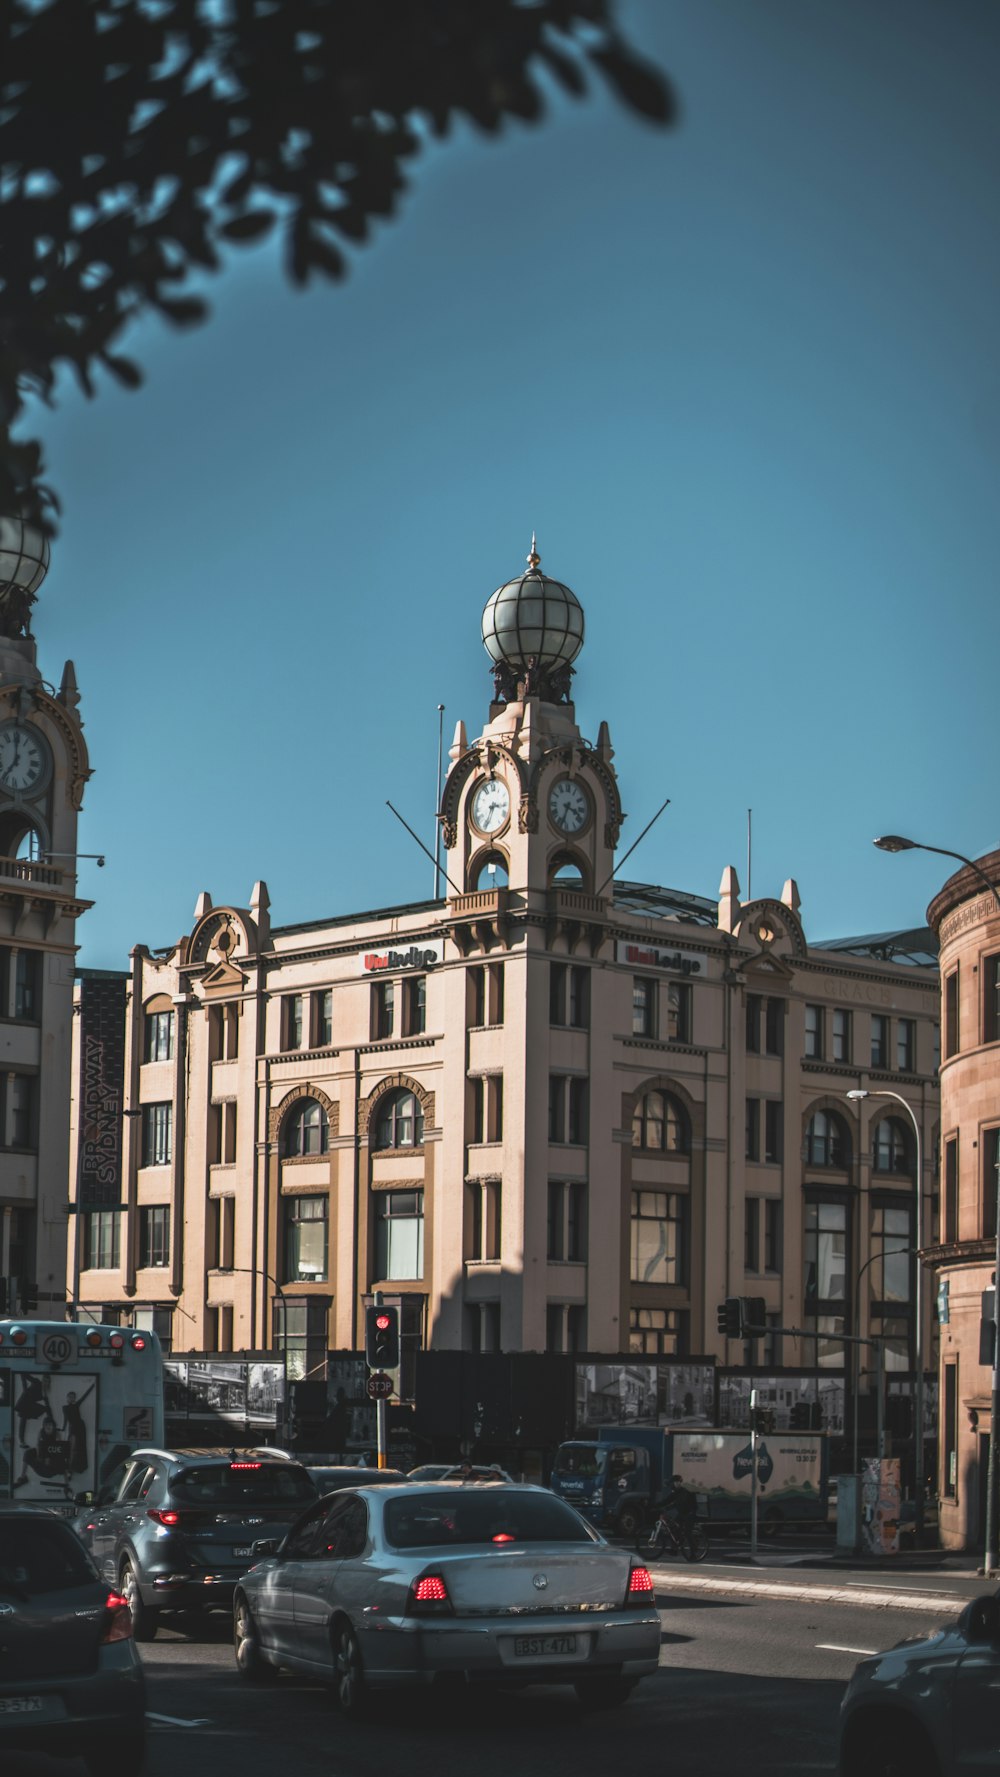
pixel 549 1110
pixel 43 771
pixel 966 917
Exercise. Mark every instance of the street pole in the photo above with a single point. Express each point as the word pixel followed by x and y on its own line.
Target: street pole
pixel 990 1552
pixel 380 1412
pixel 753 1474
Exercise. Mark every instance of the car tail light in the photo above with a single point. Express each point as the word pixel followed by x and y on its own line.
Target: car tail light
pixel 502 1536
pixel 94 1338
pixel 429 1597
pixel 138 1342
pixel 168 1519
pixel 118 1620
pixel 640 1586
pixel 241 1465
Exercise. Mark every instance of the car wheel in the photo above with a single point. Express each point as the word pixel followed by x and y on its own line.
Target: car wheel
pixel 629 1521
pixel 893 1749
pixel 128 1757
pixel 250 1662
pixel 348 1673
pixel 603 1693
pixel 144 1620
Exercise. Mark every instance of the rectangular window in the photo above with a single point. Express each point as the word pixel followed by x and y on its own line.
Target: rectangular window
pixel 772 1234
pixel 382 1010
pixel 221 1232
pixel 753 1129
pixel 101 1240
pixel 643 1007
pixel 579 997
pixel 949 1430
pixel 20 1106
pixel 159 1044
pixel 399 1234
pixel 880 1040
pixel 482 1326
pixel 558 1084
pixel 825 1255
pixel 27 978
pixel 906 1038
pixel 659 1237
pixel 415 1005
pixel 773 1121
pixel 949 1233
pixel 774 1027
pixel 841 1034
pixel 154 1234
pixel 157 1134
pixel 576 1130
pixel 951 1033
pixel 678 1011
pixel 482 1221
pixel 991 1158
pixel 751 1234
pixel 322 1012
pixel 754 1005
pixel 219 1327
pixel 292 1021
pixel 814 1033
pixel 223 1032
pixel 495 980
pixel 890 1265
pixel 557 992
pixel 475 996
pixel 564 1326
pixel 305 1239
pixel 566 1227
pixel 659 1332
pixel 991 997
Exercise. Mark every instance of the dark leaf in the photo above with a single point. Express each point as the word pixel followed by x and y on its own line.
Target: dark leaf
pixel 248 228
pixel 641 87
pixel 123 370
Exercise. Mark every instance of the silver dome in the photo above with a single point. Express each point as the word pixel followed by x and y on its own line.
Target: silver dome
pixel 24 555
pixel 535 619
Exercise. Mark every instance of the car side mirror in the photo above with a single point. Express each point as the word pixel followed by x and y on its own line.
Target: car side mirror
pixel 265 1545
pixel 980 1620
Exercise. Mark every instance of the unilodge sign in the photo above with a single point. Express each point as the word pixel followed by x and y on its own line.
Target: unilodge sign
pixel 648 956
pixel 418 956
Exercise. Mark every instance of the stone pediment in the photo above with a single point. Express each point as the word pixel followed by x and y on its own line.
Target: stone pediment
pixel 224 977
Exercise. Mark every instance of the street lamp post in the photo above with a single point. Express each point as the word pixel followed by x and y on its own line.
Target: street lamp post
pixel 894 842
pixel 918 1305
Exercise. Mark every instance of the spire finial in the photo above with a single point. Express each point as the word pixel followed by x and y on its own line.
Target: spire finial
pixel 534 558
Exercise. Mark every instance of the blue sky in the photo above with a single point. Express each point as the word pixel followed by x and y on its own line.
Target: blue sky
pixel 743 377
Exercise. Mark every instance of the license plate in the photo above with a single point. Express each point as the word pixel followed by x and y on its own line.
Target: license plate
pixel 244 1549
pixel 530 1647
pixel 20 1705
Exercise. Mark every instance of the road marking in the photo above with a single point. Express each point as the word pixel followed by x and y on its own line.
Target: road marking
pixel 177 1721
pixel 834 1647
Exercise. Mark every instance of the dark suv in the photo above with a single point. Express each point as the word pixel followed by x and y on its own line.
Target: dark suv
pixel 174 1529
pixel 70 1678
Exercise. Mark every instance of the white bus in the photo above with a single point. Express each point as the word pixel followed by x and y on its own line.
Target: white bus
pixel 75 1400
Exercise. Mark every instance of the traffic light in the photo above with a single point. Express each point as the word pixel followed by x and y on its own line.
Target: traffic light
pixel 800 1418
pixel 753 1316
pixel 730 1317
pixel 382 1338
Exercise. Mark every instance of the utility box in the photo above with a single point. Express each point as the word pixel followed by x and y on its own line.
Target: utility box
pixel 848 1512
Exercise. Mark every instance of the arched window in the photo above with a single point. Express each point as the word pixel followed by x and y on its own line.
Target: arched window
pixel 400 1121
pixel 660 1125
pixel 827 1141
pixel 566 871
pixel 306 1129
pixel 491 872
pixel 891 1146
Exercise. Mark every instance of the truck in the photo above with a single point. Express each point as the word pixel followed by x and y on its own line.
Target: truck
pixel 615 1477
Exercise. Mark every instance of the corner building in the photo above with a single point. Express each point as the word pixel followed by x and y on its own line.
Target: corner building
pixel 550 1110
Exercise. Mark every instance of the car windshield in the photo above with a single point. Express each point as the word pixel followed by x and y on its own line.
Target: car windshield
pixel 580 1459
pixel 330 1480
pixel 499 1517
pixel 41 1557
pixel 242 1483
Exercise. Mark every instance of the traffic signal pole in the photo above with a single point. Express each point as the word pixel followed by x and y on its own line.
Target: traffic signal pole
pixel 381 1416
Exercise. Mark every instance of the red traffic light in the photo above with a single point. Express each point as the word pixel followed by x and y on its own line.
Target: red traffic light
pixel 383 1321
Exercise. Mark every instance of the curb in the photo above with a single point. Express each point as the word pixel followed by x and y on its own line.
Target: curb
pixel 941 1604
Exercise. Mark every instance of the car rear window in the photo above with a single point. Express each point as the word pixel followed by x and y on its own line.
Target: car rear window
pixel 234 1484
pixel 37 1557
pixel 432 1519
pixel 331 1480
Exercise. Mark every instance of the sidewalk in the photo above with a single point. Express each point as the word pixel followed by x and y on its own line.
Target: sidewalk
pixel 935 1581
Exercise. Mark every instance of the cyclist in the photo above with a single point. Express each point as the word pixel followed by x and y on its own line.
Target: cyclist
pixel 679 1505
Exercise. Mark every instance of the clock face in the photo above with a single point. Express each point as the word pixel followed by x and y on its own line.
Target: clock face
pixel 569 809
pixel 491 805
pixel 24 758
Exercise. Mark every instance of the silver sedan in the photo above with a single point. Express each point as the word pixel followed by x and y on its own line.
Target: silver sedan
pixel 389 1586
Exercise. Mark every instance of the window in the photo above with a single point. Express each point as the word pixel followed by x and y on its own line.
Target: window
pixel 751 1234
pixel 220 1233
pixel 485 994
pixel 891 1242
pixel 27 978
pixel 222 1133
pixel 906 1038
pixel 949 1430
pixel 486 1109
pixel 156 1320
pixel 223 1032
pixel 773 1121
pixel 482 1221
pixel 643 1007
pixel 753 1129
pixel 291 1021
pixel 305 1239
pixel 101 1240
pixel 568 995
pixel 765 1018
pixel 19 1104
pixel 991 997
pixel 772 1234
pixel 841 1034
pixel 322 1016
pixel 891 1143
pixel 753 1012
pixel 568 1105
pixel 827 1141
pixel 564 1326
pixel 679 1012
pixel 950 1230
pixel 159 1044
pixel 660 1124
pixel 880 1040
pixel 774 1027
pixel 399 1234
pixel 566 1227
pixel 991 1158
pixel 814 1033
pixel 157 1134
pixel 400 1122
pixel 482 1326
pixel 219 1327
pixel 490 873
pixel 951 1032
pixel 660 1332
pixel 383 1010
pixel 154 1234
pixel 825 1255
pixel 415 1005
pixel 306 1130
pixel 659 1237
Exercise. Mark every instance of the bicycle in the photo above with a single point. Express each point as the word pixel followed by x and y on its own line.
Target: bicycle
pixel 689 1540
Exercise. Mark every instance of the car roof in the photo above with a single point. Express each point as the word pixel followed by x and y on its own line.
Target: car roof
pixel 212 1455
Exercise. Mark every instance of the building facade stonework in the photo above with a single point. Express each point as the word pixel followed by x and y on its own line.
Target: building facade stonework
pixel 549 1110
